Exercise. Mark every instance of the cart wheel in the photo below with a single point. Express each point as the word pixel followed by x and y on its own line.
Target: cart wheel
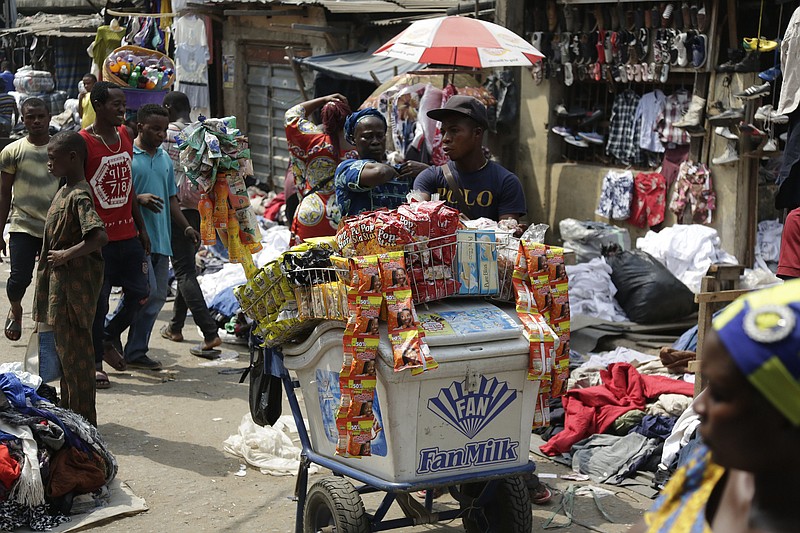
pixel 508 511
pixel 334 506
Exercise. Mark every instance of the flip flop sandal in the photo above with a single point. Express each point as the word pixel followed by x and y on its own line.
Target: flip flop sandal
pixel 664 73
pixel 623 74
pixel 101 380
pixel 13 329
pixel 169 335
pixel 205 354
pixel 568 78
pixel 541 495
pixel 601 48
pixel 643 43
pixel 112 356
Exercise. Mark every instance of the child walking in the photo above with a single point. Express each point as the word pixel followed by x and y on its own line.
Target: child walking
pixel 70 272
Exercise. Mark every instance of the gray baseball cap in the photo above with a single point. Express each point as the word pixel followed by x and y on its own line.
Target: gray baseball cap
pixel 463 105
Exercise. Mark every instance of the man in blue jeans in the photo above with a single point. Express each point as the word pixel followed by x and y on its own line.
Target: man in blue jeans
pixel 154 184
pixel 109 145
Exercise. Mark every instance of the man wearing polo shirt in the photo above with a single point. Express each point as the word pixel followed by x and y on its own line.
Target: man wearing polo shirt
pixel 154 185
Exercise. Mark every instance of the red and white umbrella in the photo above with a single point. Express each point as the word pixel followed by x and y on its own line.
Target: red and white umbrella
pixel 461 41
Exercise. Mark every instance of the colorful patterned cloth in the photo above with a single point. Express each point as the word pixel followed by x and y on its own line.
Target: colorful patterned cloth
pixel 675 107
pixel 353 199
pixel 681 506
pixel 649 199
pixel 616 195
pixel 314 164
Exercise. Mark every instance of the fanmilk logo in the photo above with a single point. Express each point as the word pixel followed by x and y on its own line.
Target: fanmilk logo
pixel 470 412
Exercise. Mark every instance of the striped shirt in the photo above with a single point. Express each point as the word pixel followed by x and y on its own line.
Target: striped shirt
pixel 8 107
pixel 34 187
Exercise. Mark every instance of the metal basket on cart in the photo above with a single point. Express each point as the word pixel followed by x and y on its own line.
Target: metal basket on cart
pixel 467 263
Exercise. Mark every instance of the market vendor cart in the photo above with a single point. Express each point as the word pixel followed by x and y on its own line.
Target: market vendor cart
pixel 465 427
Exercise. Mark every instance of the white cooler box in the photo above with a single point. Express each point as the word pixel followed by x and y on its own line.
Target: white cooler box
pixel 471 415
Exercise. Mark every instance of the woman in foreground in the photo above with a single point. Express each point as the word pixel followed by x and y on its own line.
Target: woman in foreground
pixel 745 477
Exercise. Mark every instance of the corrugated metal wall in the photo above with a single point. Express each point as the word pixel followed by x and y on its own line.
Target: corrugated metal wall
pixel 271 91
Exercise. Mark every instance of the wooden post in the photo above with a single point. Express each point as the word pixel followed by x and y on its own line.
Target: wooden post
pixel 298 76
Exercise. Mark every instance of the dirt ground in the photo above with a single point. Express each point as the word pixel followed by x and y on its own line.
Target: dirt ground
pixel 166 429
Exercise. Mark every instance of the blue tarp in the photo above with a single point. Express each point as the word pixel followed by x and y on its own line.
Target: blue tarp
pixel 357 64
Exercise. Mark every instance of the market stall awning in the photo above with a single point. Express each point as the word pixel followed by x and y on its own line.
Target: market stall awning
pixel 358 65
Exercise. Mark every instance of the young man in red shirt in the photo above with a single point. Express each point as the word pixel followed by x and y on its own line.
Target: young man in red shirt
pixel 109 173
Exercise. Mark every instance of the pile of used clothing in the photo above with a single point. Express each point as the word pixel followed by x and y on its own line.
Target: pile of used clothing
pixel 620 409
pixel 48 457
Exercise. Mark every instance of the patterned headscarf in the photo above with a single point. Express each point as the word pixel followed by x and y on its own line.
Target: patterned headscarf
pixel 761 332
pixel 355 118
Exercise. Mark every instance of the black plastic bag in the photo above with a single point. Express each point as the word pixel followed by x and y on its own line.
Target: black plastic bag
pixel 646 289
pixel 266 393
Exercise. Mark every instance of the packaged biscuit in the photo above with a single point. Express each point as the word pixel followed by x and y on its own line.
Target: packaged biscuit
pixel 521 263
pixel 557 271
pixel 367 277
pixel 428 362
pixel 542 345
pixel 318 308
pixel 393 271
pixel 261 280
pixel 467 263
pixel 354 232
pixel 541 412
pixel 365 324
pixel 359 437
pixel 559 311
pixel 406 349
pixel 361 368
pixel 400 311
pixel 390 233
pixel 536 259
pixel 303 297
pixel 486 248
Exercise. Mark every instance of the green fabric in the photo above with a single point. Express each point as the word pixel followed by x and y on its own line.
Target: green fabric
pixel 626 422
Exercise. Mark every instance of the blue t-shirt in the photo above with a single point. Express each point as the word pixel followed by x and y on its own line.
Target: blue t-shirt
pixel 155 175
pixel 491 192
pixel 354 199
pixel 8 81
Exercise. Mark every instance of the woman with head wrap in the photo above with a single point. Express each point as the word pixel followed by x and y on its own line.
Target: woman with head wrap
pixel 369 183
pixel 743 479
pixel 315 152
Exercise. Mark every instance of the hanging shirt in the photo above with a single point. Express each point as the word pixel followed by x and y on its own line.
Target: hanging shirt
pixel 649 109
pixel 108 171
pixel 105 42
pixel 623 135
pixel 790 49
pixel 191 51
pixel 675 106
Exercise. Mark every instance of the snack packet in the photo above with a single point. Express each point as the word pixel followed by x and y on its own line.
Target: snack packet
pixel 400 311
pixel 406 349
pixel 393 271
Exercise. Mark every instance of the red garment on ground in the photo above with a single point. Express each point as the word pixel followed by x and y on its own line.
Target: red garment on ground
pixel 273 208
pixel 9 468
pixel 592 410
pixel 789 260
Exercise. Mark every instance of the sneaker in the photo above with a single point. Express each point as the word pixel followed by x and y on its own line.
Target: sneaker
pixel 728 156
pixel 145 363
pixel 751 129
pixel 576 141
pixel 771 74
pixel 763 113
pixel 750 63
pixel 754 91
pixel 760 45
pixel 770 146
pixel 725 132
pixel 561 110
pixel 730 115
pixel 591 137
pixel 561 130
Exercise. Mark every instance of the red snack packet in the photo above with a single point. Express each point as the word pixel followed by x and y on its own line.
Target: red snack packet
pixel 556 269
pixel 406 349
pixel 354 232
pixel 536 258
pixel 390 233
pixel 400 311
pixel 367 277
pixel 393 271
